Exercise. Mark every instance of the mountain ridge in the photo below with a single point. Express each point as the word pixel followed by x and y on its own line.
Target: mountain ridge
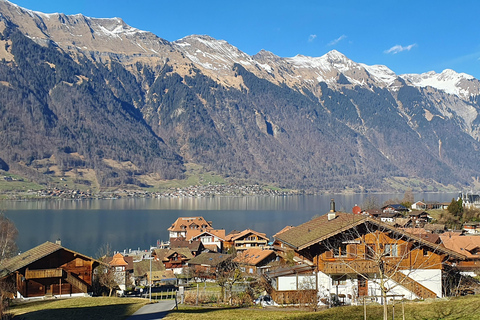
pixel 327 122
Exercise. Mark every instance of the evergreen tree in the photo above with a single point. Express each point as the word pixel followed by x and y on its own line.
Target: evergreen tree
pixel 454 208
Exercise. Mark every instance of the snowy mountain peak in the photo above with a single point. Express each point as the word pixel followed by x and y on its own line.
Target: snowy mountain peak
pixel 336 56
pixel 212 54
pixel 449 81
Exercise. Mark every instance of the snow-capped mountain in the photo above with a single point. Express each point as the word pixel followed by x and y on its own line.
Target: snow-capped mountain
pixel 448 81
pixel 114 94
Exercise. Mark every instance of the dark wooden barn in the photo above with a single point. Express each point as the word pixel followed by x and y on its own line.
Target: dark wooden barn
pixel 47 270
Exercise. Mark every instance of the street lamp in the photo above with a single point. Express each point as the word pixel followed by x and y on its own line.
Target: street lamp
pixel 151 279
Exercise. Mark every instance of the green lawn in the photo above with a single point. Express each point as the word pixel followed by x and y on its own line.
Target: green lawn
pixel 98 308
pixel 121 308
pixel 459 308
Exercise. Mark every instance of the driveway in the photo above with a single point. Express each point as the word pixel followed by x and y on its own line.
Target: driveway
pixel 153 311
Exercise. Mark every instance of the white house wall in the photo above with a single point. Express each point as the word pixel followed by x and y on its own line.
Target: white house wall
pixel 429 278
pixel 287 283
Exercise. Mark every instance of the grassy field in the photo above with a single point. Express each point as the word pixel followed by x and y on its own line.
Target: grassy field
pixel 100 308
pixel 121 308
pixel 459 308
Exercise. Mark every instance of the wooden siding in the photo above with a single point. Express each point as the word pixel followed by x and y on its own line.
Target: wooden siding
pixel 43 273
pixel 61 272
pixel 293 296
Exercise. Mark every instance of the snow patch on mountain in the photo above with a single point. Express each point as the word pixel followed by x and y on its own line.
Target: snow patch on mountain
pixel 381 73
pixel 447 81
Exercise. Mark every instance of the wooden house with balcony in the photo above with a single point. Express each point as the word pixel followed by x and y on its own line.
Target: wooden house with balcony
pixel 173 259
pixel 49 270
pixel 357 256
pixel 179 229
pixel 246 239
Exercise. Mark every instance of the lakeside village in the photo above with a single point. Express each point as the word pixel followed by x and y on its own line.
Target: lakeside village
pixel 339 258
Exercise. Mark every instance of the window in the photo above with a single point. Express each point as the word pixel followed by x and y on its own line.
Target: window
pixel 340 251
pixel 391 250
pixel 339 280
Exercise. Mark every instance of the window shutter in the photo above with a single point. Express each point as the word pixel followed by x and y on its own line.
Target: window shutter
pixel 351 250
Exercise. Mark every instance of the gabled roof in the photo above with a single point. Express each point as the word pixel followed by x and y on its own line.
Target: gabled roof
pixel 402 222
pixel 288 270
pixel 164 254
pixel 195 234
pixel 417 213
pixel 396 207
pixel 209 259
pixel 462 244
pixel 283 230
pixel 194 245
pixel 187 221
pixel 244 233
pixel 434 227
pixel 34 254
pixel 253 256
pixel 141 268
pixel 319 229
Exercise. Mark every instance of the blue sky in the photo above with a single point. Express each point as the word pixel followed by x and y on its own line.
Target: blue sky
pixel 406 36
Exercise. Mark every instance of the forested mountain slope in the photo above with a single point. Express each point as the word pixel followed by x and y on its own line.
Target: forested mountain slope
pixel 114 103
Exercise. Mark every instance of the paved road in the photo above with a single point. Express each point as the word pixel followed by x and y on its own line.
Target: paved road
pixel 153 311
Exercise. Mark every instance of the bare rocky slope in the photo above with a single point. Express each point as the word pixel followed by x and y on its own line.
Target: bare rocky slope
pixel 100 97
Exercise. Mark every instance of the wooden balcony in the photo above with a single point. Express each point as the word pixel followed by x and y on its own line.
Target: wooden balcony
pixel 346 267
pixel 43 273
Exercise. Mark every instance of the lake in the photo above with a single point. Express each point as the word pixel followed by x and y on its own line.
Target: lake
pixel 86 225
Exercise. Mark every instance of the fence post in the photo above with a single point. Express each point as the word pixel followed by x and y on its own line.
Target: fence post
pixel 196 300
pixel 364 309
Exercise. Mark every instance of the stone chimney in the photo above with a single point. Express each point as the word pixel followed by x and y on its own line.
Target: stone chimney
pixel 58 241
pixel 331 214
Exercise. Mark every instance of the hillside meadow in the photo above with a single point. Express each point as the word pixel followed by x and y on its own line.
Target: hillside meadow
pixel 120 308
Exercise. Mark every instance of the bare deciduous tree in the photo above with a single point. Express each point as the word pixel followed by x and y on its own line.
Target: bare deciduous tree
pixel 227 274
pixel 8 248
pixel 104 274
pixel 385 256
pixel 370 203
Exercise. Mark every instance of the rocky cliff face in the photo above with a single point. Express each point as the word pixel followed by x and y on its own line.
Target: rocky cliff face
pixel 100 96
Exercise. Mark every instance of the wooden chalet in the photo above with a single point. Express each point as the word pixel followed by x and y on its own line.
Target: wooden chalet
pixel 179 229
pixel 49 270
pixel 351 253
pixel 467 245
pixel 211 239
pixel 246 239
pixel 205 265
pixel 173 258
pixel 142 271
pixel 419 217
pixel 394 208
pixel 194 229
pixel 255 260
pixel 196 246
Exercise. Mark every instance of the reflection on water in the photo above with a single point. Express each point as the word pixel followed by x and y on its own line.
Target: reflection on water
pixel 86 225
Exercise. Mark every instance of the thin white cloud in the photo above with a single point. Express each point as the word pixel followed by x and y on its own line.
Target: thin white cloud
pixel 398 48
pixel 312 37
pixel 334 42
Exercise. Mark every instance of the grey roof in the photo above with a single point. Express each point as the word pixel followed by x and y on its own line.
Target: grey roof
pixel 209 258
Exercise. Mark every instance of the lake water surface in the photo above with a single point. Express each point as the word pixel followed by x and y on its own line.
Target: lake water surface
pixel 86 225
